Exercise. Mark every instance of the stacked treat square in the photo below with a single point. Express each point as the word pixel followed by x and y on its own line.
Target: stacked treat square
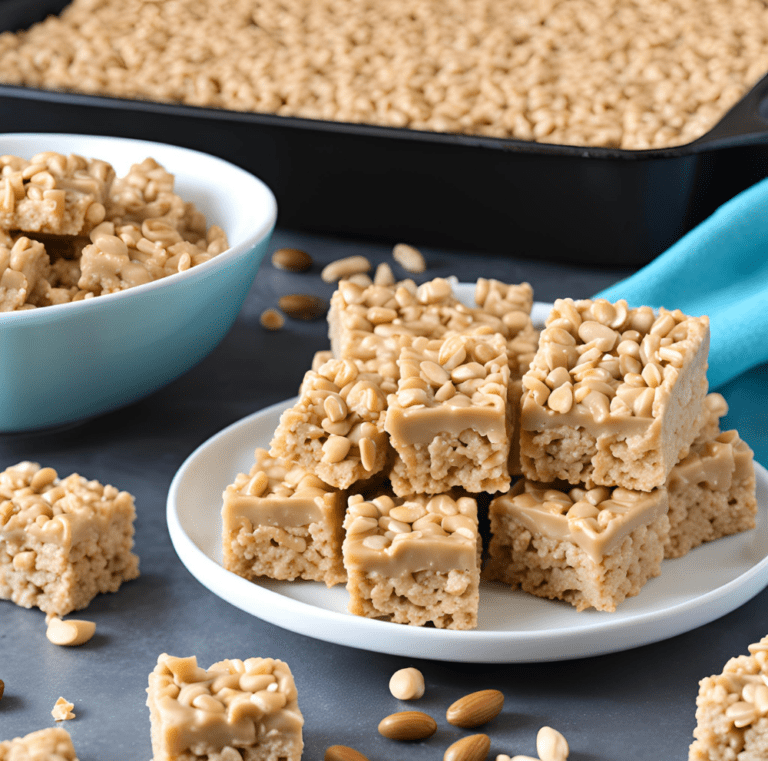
pixel 424 404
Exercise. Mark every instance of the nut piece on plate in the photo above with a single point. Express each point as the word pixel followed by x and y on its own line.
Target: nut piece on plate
pixel 291 259
pixel 52 744
pixel 232 708
pixel 591 548
pixel 614 395
pixel 69 633
pixel 282 522
pixel 415 560
pixel 407 684
pixel 62 541
pixel 63 710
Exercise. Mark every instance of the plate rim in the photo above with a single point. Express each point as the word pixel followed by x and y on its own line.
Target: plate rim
pixel 442 644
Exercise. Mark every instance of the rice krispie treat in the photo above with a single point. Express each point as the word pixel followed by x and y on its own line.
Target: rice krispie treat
pixel 591 548
pixel 732 710
pixel 282 522
pixel 335 429
pixel 53 193
pixel 711 494
pixel 415 560
pixel 62 541
pixel 234 711
pixel 449 421
pixel 614 395
pixel 714 408
pixel 52 744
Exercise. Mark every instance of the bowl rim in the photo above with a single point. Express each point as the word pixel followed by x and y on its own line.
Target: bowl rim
pixel 84 305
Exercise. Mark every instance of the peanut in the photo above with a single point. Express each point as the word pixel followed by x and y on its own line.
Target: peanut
pixel 343 268
pixel 409 258
pixel 406 684
pixel 69 633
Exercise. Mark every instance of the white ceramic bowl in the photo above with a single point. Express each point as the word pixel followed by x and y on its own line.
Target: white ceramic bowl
pixel 68 362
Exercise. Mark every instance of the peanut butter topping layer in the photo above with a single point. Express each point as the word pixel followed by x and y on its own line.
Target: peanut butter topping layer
pixel 234 703
pixel 421 533
pixel 605 367
pixel 716 463
pixel 34 501
pixel 448 387
pixel 275 493
pixel 596 520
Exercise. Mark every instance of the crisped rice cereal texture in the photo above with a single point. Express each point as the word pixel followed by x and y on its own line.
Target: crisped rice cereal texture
pixel 52 744
pixel 62 541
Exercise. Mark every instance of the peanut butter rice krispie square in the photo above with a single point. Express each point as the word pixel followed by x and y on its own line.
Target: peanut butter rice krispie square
pixel 234 711
pixel 732 710
pixel 336 428
pixel 711 493
pixel 62 541
pixel 614 395
pixel 415 560
pixel 52 744
pixel 449 421
pixel 282 522
pixel 52 193
pixel 591 548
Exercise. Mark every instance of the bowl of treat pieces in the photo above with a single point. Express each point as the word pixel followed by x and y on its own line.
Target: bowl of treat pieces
pixel 467 475
pixel 123 263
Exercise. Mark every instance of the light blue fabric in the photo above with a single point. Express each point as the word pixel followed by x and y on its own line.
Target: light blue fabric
pixel 720 269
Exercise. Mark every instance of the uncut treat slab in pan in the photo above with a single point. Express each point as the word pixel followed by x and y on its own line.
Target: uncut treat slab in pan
pixel 591 205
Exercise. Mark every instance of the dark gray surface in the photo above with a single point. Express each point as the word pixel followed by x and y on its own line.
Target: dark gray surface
pixel 634 705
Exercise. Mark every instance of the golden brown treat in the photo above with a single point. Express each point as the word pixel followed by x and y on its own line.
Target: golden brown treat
pixel 448 422
pixel 235 710
pixel 413 561
pixel 62 541
pixel 732 710
pixel 614 395
pixel 335 429
pixel 590 548
pixel 53 744
pixel 568 71
pixel 711 493
pixel 282 522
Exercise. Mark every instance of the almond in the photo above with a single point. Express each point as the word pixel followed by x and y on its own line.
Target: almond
pixel 292 259
pixel 475 709
pixel 408 725
pixel 303 306
pixel 472 748
pixel 343 753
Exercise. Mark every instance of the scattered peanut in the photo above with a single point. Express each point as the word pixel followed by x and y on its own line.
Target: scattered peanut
pixel 303 306
pixel 475 709
pixel 291 259
pixel 384 275
pixel 551 745
pixel 344 268
pixel 343 753
pixel 472 748
pixel 271 319
pixel 407 684
pixel 409 258
pixel 69 633
pixel 407 726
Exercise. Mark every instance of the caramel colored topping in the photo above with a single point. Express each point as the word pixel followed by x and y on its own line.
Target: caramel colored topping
pixel 716 463
pixel 596 520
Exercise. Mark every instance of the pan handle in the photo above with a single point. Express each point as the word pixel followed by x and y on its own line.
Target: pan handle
pixel 745 124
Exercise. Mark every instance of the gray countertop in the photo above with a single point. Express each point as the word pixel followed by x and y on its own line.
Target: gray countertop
pixel 637 704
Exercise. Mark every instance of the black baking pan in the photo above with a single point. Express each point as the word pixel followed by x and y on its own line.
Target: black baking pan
pixel 563 203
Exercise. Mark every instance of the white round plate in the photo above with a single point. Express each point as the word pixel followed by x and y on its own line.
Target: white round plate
pixel 513 627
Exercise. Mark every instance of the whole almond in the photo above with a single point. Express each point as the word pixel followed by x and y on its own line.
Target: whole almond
pixel 292 259
pixel 472 748
pixel 475 709
pixel 303 306
pixel 408 725
pixel 343 753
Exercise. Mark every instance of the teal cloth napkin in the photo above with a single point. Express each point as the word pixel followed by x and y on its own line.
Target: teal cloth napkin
pixel 720 269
